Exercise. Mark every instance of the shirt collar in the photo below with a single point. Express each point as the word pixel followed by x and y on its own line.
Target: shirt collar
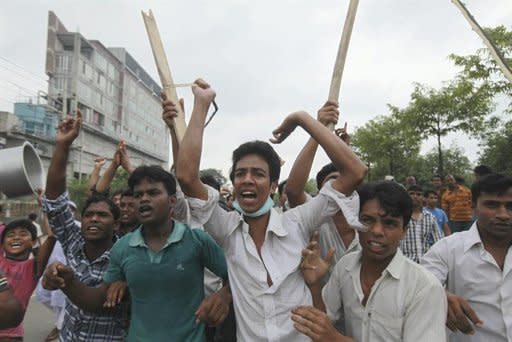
pixel 471 237
pixel 394 268
pixel 274 224
pixel 137 240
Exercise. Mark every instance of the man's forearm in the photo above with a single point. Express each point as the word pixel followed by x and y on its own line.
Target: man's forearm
pixel 56 180
pixel 189 156
pixel 342 156
pixel 86 298
pixel 299 173
pixel 104 182
pixel 316 294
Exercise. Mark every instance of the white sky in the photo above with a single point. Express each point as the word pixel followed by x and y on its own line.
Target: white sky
pixel 264 58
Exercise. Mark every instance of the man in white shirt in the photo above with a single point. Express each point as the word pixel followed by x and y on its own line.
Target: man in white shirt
pixel 476 266
pixel 383 295
pixel 262 247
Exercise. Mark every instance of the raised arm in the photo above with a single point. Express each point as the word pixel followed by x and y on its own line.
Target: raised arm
pixel 46 248
pixel 59 276
pixel 352 169
pixel 95 175
pixel 68 130
pixel 189 155
pixel 105 181
pixel 169 114
pixel 302 166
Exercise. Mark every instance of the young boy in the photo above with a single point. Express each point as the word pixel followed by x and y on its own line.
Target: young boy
pixel 22 272
pixel 383 295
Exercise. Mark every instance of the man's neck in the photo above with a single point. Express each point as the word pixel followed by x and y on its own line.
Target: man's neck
pixel 127 228
pixel 159 231
pixel 258 228
pixel 95 249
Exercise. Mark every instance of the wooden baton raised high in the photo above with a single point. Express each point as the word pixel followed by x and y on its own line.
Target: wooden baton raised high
pixel 169 89
pixel 334 91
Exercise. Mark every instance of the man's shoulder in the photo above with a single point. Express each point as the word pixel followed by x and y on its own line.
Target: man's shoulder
pixel 418 276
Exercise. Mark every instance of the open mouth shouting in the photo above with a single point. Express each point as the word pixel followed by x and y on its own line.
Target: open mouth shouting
pixel 145 210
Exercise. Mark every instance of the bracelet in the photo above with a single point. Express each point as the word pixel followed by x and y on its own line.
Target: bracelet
pixel 4 285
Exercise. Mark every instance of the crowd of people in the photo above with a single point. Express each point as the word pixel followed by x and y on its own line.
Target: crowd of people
pixel 176 257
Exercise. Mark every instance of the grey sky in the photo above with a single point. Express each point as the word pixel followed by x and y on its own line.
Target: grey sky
pixel 264 58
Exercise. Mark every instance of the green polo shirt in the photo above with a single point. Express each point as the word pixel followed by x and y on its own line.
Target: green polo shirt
pixel 166 288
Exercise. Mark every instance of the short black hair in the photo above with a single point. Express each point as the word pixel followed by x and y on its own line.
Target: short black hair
pixel 22 223
pixel 429 192
pixel 493 183
pixel 262 149
pixel 154 174
pixel 415 187
pixel 96 198
pixel 393 198
pixel 459 180
pixel 324 172
pixel 127 193
pixel 211 181
pixel 114 194
pixel 280 187
pixel 437 175
pixel 482 170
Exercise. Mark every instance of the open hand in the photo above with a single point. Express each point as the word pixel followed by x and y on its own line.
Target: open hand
pixel 314 323
pixel 313 267
pixel 343 134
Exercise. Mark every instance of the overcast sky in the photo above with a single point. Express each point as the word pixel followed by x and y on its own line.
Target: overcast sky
pixel 264 58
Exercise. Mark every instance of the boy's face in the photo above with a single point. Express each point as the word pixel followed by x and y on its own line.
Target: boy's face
pixel 153 205
pixel 98 223
pixel 432 200
pixel 417 198
pixel 18 243
pixel 251 182
pixel 383 234
pixel 127 207
pixel 494 215
pixel 437 182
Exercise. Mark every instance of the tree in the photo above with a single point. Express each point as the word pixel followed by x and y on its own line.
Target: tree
pixel 496 149
pixel 454 160
pixel 481 68
pixel 387 145
pixel 459 106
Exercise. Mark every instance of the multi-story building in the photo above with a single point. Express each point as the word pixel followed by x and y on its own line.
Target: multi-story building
pixel 116 96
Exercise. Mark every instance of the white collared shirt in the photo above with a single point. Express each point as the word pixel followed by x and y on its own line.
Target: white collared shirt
pixel 263 313
pixel 461 262
pixel 407 303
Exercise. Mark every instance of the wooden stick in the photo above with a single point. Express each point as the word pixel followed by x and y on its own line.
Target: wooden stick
pixel 169 89
pixel 495 53
pixel 334 91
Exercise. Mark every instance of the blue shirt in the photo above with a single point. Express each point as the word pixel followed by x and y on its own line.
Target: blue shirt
pixel 440 216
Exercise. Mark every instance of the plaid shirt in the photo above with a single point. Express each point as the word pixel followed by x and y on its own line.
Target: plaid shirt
pixel 421 235
pixel 81 326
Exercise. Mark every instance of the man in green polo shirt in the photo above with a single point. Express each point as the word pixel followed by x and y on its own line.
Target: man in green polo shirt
pixel 162 264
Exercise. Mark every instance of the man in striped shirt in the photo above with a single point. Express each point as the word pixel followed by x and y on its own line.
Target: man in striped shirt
pixel 422 230
pixel 87 248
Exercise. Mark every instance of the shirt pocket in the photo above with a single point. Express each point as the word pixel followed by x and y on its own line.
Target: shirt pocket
pixel 385 327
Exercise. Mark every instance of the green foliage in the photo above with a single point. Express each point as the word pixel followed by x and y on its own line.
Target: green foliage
pixel 480 68
pixel 458 106
pixel 496 149
pixel 386 144
pixel 77 188
pixel 310 187
pixel 454 160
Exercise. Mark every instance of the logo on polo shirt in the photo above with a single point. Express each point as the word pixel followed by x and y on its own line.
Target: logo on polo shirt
pixel 180 267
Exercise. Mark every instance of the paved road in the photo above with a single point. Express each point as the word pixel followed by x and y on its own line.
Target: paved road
pixel 38 321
